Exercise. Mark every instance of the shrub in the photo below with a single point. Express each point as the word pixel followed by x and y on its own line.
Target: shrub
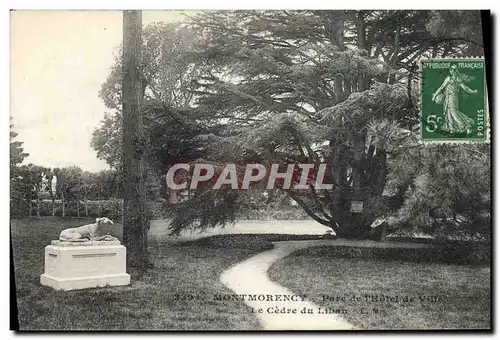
pixel 18 207
pixel 274 213
pixel 471 253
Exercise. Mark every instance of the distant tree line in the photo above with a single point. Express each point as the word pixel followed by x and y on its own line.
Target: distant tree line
pixel 69 191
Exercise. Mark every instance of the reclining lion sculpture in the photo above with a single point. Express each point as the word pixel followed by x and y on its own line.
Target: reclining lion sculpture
pixel 88 232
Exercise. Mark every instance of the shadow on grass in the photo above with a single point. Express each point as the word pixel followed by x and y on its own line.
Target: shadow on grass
pixel 247 241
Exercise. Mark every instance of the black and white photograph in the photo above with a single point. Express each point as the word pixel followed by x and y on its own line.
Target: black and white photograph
pixel 251 170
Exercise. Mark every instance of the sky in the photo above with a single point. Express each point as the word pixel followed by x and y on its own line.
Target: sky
pixel 58 61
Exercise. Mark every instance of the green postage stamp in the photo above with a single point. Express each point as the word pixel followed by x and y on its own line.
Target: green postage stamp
pixel 453 100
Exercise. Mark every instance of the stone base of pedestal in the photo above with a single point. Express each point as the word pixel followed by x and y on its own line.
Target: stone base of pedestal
pixel 84 282
pixel 70 266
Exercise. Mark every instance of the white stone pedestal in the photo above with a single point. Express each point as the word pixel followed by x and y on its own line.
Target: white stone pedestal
pixel 79 265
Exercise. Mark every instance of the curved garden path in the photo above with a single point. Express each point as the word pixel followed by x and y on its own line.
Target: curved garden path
pixel 249 277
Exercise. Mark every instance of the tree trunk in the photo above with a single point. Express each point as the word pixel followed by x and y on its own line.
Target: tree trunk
pixel 361 30
pixel 350 166
pixel 135 224
pixel 335 28
pixel 38 207
pixel 99 206
pixel 78 206
pixel 363 81
pixel 173 198
pixel 86 208
pixel 63 210
pixel 351 224
pixel 333 22
pixel 383 232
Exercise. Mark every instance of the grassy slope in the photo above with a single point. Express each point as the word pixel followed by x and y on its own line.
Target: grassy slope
pixel 465 290
pixel 147 304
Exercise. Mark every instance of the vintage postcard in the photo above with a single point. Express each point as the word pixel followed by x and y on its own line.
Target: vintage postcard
pixel 250 170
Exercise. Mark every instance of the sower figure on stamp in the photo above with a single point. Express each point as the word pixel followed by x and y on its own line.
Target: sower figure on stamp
pixel 88 232
pixel 447 94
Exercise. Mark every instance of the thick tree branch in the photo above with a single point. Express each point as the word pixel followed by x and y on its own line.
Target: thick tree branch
pixel 309 211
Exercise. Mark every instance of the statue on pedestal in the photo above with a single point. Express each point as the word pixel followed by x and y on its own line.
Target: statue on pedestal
pixel 83 258
pixel 88 232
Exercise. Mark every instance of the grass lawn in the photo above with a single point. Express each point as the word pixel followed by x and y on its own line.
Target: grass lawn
pixel 152 303
pixel 463 291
